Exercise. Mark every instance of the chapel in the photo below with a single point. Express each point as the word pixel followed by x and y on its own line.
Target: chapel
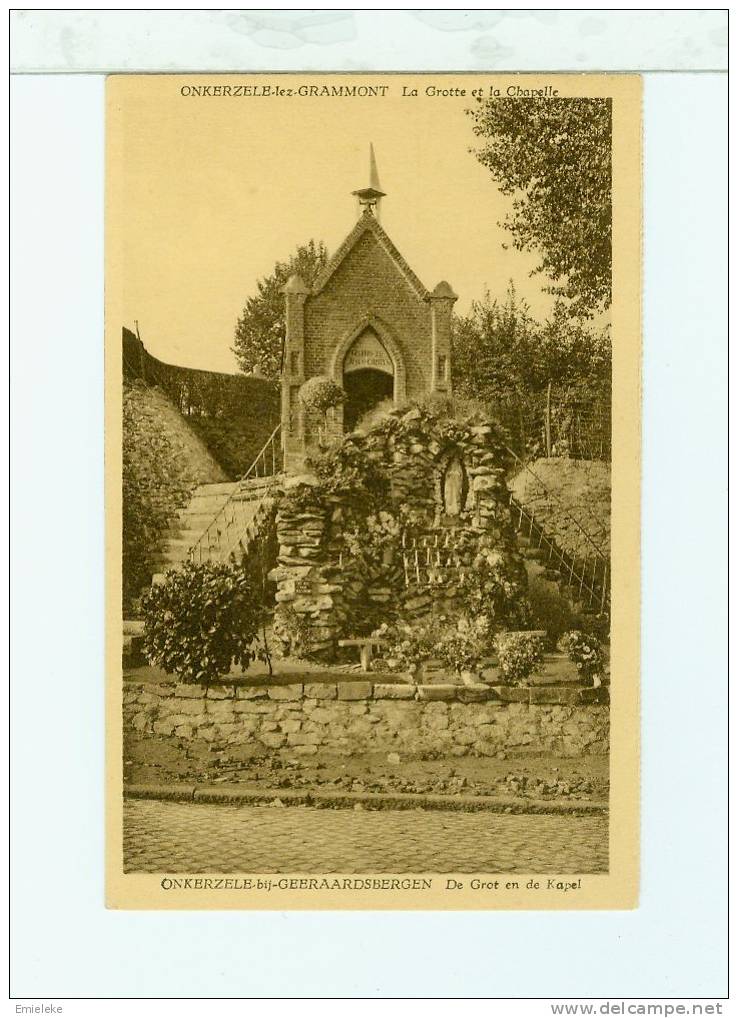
pixel 369 324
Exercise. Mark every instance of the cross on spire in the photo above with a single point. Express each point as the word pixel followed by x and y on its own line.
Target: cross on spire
pixel 370 197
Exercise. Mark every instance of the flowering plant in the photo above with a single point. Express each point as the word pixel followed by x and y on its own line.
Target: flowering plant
pixel 464 643
pixel 519 655
pixel 460 644
pixel 584 650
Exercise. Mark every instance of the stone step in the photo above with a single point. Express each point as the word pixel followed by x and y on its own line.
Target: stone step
pixel 205 503
pixel 256 483
pixel 223 488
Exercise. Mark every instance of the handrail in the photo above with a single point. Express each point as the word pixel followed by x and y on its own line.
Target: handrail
pixel 234 496
pixel 577 575
pixel 553 495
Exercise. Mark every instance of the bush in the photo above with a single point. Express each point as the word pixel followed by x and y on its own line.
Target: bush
pixel 549 610
pixel 585 651
pixel 321 394
pixel 519 655
pixel 200 621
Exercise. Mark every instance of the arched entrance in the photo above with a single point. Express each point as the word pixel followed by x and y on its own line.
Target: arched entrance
pixel 368 377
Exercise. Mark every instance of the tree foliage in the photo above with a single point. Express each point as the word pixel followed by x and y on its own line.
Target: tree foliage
pixel 499 349
pixel 553 156
pixel 505 359
pixel 260 330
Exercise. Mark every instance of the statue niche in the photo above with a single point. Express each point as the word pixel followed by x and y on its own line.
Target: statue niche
pixel 454 487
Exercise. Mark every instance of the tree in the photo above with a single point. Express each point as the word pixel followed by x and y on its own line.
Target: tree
pixel 506 360
pixel 259 337
pixel 554 157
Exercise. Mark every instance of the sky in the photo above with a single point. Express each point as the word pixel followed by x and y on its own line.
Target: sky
pixel 206 193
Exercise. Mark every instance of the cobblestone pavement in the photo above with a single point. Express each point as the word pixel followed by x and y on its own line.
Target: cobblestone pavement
pixel 193 837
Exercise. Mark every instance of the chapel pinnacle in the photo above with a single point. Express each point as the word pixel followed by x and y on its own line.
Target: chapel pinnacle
pixel 370 197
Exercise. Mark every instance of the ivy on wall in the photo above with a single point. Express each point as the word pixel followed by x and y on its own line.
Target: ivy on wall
pixel 233 414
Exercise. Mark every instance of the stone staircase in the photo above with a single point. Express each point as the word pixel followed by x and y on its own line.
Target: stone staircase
pixel 222 521
pixel 582 583
pixel 219 524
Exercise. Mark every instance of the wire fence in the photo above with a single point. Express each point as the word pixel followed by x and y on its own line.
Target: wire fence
pixel 557 423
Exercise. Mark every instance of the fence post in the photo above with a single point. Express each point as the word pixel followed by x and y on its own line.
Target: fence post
pixel 547 421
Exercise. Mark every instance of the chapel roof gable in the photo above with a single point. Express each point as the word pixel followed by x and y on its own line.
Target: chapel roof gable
pixel 368 223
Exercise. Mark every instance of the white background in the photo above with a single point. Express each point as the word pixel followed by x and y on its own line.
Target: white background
pixel 64 943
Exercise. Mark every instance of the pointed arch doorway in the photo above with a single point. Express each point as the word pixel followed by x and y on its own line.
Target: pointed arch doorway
pixel 368 377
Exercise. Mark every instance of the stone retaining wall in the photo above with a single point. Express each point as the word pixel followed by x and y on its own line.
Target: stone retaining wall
pixel 346 718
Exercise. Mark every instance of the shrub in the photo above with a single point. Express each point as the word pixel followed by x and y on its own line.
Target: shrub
pixel 585 651
pixel 201 620
pixel 549 610
pixel 321 394
pixel 519 655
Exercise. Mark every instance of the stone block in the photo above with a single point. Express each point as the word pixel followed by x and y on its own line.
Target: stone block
pixel 387 691
pixel 304 750
pixel 272 739
pixel 290 726
pixel 554 694
pixel 253 707
pixel 163 728
pixel 599 695
pixel 324 715
pixel 220 693
pixel 189 690
pixel 484 748
pixel 219 708
pixel 476 693
pixel 466 737
pixel 251 692
pixel 511 694
pixel 445 691
pixel 163 689
pixel 354 690
pixel 243 727
pixel 141 722
pixel 229 728
pixel 184 731
pixel 321 690
pixel 178 720
pixel 436 722
pixel 293 692
pixel 303 739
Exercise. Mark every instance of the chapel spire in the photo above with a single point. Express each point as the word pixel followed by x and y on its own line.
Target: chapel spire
pixel 370 197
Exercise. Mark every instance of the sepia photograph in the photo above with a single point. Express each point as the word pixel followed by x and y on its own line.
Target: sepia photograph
pixel 363 339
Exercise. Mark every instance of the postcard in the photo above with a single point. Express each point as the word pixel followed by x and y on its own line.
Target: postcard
pixel 372 491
